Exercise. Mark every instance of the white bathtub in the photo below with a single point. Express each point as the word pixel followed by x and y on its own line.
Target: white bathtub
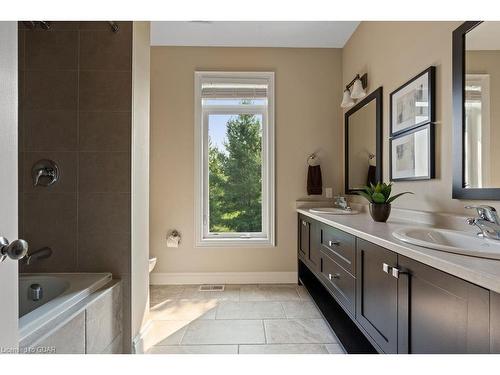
pixel 60 291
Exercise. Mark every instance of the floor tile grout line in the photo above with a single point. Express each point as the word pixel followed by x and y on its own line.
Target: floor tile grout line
pixel 264 328
pixel 284 311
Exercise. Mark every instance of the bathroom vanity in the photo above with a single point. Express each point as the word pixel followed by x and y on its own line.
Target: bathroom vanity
pixel 403 298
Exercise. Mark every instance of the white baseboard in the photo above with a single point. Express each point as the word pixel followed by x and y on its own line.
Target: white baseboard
pixel 138 344
pixel 224 278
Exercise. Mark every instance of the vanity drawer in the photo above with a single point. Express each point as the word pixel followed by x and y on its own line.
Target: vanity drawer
pixel 341 283
pixel 340 246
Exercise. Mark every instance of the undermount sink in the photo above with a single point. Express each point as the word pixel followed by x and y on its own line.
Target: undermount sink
pixel 451 241
pixel 332 211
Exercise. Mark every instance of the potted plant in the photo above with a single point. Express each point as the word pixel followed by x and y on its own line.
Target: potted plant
pixel 380 200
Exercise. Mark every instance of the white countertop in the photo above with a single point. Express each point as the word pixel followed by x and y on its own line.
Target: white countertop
pixel 480 271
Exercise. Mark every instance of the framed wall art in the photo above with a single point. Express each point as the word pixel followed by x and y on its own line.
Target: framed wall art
pixel 412 104
pixel 412 154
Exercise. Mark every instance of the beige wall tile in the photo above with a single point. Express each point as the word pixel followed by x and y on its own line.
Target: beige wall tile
pixel 104 131
pixel 50 131
pixel 105 50
pixel 116 347
pixel 69 339
pixel 104 252
pixel 103 320
pixel 102 172
pixel 104 212
pixel 105 91
pixel 51 90
pixel 51 50
pixel 50 220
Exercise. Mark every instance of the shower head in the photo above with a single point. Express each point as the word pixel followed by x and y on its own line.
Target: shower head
pixel 114 26
pixel 45 25
pixel 31 25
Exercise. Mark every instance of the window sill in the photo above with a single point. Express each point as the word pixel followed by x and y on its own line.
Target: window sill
pixel 235 242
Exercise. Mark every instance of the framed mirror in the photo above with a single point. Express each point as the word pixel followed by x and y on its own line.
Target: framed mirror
pixel 476 120
pixel 363 143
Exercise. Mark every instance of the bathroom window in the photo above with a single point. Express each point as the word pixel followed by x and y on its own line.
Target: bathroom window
pixel 234 131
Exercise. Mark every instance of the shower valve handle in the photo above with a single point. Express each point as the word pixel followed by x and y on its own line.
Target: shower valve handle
pixel 15 250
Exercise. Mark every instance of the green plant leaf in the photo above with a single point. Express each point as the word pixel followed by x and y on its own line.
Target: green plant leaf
pixel 378 197
pixel 397 196
pixel 366 196
pixel 387 191
pixel 378 188
pixel 367 189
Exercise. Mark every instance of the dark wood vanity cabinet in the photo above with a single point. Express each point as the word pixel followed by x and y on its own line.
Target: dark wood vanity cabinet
pixel 377 294
pixel 309 242
pixel 440 313
pixel 304 231
pixel 399 304
pixel 495 322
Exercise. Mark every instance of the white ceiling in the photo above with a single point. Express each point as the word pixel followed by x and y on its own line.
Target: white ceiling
pixel 298 34
pixel 485 36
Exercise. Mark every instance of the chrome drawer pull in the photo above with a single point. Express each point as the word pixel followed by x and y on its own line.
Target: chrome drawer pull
pixel 333 243
pixel 335 276
pixel 397 271
pixel 386 268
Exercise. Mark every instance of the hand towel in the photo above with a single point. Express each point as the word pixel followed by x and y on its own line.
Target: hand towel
pixel 314 180
pixel 371 178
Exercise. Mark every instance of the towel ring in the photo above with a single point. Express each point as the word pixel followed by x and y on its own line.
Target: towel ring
pixel 311 159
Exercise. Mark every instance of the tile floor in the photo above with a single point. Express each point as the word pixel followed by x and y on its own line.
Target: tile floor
pixel 243 319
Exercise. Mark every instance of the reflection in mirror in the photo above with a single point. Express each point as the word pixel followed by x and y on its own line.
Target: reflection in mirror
pixel 362 147
pixel 482 120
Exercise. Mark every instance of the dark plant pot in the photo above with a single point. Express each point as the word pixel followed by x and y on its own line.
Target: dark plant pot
pixel 380 211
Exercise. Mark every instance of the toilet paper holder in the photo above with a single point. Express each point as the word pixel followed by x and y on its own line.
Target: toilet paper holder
pixel 173 238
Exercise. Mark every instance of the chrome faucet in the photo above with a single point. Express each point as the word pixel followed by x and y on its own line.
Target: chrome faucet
pixel 341 202
pixel 487 221
pixel 43 253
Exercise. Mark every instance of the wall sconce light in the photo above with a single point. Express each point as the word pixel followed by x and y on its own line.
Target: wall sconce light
pixel 356 89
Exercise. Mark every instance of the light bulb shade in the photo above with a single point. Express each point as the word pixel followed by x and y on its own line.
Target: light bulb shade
pixel 358 91
pixel 346 99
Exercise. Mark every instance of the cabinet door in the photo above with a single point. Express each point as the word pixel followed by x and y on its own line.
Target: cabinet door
pixel 440 313
pixel 314 245
pixel 495 322
pixel 304 237
pixel 377 294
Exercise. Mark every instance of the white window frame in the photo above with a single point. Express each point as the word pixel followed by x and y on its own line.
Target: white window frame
pixel 203 237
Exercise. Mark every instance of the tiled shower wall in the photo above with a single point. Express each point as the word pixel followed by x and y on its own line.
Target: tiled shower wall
pixel 75 88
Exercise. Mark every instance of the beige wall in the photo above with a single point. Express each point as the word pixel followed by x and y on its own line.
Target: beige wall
pixel 308 93
pixel 392 53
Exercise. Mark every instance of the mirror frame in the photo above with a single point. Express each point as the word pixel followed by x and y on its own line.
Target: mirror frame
pixel 377 96
pixel 458 189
